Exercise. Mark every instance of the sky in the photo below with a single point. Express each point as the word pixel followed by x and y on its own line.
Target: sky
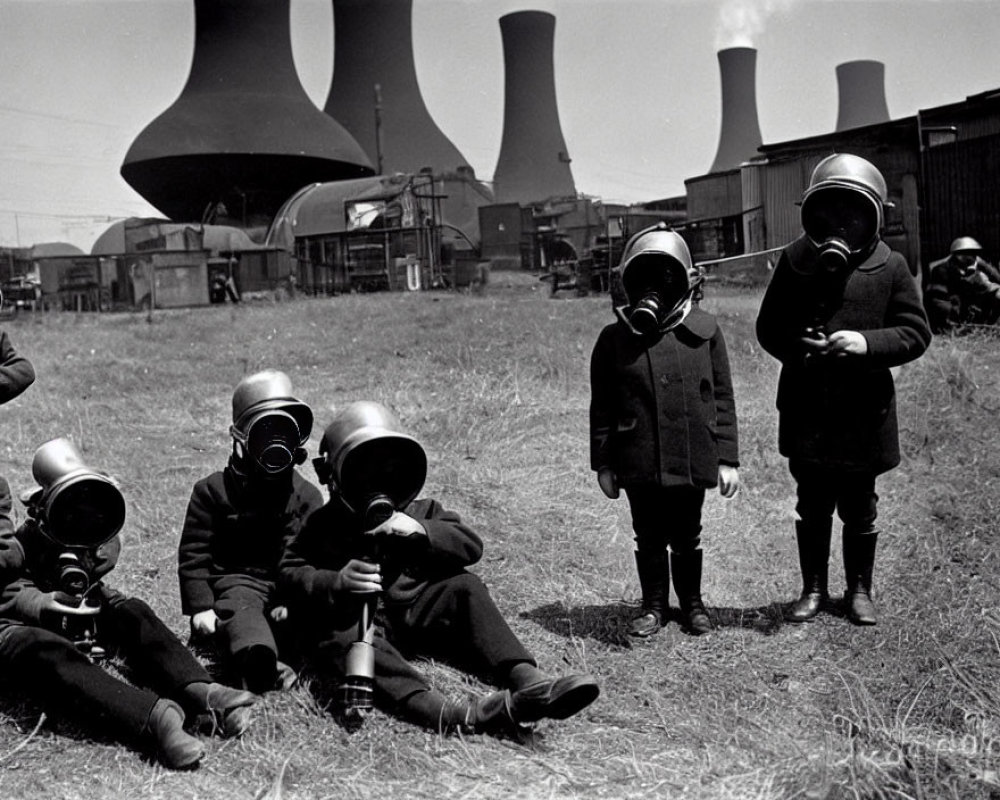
pixel 637 85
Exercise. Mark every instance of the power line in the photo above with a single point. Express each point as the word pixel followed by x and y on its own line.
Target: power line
pixel 59 117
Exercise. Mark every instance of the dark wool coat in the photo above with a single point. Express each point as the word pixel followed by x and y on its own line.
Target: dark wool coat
pixel 331 537
pixel 234 532
pixel 661 407
pixel 16 372
pixel 29 562
pixel 841 412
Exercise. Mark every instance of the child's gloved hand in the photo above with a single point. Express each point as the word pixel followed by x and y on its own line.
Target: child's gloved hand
pixel 53 606
pixel 608 482
pixel 279 613
pixel 729 480
pixel 360 576
pixel 399 524
pixel 847 343
pixel 203 623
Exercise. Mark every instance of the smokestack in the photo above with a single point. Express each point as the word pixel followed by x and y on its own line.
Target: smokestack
pixel 534 163
pixel 243 132
pixel 740 136
pixel 861 91
pixel 373 44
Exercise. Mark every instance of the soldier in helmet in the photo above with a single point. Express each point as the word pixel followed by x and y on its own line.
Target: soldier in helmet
pixel 59 620
pixel 374 538
pixel 962 288
pixel 663 420
pixel 840 310
pixel 236 522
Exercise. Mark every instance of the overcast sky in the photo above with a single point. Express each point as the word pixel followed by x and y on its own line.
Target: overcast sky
pixel 637 83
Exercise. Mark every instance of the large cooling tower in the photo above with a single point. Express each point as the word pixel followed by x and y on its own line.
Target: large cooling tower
pixel 534 163
pixel 740 136
pixel 861 91
pixel 373 44
pixel 243 131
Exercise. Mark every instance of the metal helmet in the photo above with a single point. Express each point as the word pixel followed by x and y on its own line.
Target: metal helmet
pixel 842 209
pixel 658 279
pixel 370 462
pixel 269 423
pixel 76 505
pixel 965 244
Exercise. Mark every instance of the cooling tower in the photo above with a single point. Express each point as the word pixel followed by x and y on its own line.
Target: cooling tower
pixel 534 163
pixel 740 136
pixel 243 131
pixel 861 92
pixel 373 45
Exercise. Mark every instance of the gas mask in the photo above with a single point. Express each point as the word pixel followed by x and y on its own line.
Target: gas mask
pixel 658 280
pixel 374 467
pixel 842 210
pixel 842 223
pixel 271 442
pixel 270 427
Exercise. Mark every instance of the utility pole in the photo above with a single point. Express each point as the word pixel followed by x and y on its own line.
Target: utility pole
pixel 378 127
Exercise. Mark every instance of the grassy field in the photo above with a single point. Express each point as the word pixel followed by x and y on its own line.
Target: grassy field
pixel 495 385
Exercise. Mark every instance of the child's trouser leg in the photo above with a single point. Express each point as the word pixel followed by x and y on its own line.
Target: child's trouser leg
pixel 816 489
pixel 857 508
pixel 652 527
pixel 246 638
pixel 67 684
pixel 456 619
pixel 686 557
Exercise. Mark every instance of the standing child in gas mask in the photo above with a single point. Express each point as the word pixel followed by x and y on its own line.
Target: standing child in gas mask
pixel 234 531
pixel 663 421
pixel 59 620
pixel 840 310
pixel 374 540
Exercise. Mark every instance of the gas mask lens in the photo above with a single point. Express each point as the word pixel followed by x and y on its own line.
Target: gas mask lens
pixel 272 440
pixel 840 222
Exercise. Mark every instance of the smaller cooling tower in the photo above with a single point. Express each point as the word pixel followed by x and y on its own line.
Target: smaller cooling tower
pixel 534 163
pixel 740 136
pixel 373 45
pixel 243 134
pixel 861 91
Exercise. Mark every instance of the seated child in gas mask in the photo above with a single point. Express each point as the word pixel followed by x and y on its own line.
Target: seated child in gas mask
pixel 663 420
pixel 236 523
pixel 58 621
pixel 373 539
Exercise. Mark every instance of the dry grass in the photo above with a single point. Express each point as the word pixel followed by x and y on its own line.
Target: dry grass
pixel 495 385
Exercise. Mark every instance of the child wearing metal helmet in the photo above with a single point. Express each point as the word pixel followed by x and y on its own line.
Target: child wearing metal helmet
pixel 663 420
pixel 372 539
pixel 235 526
pixel 962 289
pixel 59 620
pixel 840 310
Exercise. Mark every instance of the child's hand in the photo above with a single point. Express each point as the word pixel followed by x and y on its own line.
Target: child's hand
pixel 399 524
pixel 360 576
pixel 279 613
pixel 729 480
pixel 608 482
pixel 203 623
pixel 847 343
